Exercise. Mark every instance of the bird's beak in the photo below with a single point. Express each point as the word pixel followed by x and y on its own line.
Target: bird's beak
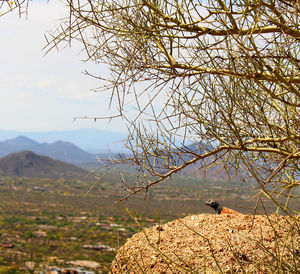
pixel 207 202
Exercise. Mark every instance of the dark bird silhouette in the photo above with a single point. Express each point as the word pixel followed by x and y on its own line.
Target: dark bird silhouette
pixel 220 209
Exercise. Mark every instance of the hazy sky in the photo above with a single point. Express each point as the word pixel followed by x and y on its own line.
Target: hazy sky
pixel 40 93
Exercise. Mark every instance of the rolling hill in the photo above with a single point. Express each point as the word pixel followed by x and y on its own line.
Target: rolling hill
pixel 30 164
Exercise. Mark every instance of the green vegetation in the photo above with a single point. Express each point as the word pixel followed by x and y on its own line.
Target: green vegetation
pixel 52 222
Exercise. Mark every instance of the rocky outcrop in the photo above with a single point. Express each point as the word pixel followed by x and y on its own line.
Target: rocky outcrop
pixel 209 243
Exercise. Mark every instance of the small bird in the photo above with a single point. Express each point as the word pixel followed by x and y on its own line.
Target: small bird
pixel 219 209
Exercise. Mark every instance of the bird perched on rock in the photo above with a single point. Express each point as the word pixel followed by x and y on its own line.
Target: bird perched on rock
pixel 220 209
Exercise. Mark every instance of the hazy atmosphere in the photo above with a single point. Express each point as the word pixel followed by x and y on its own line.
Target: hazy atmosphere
pixel 45 93
pixel 146 136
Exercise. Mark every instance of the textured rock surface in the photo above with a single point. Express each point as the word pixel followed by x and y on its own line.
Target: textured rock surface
pixel 208 243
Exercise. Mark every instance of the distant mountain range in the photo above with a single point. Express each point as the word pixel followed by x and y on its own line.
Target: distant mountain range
pixel 63 151
pixel 59 150
pixel 29 164
pixel 91 140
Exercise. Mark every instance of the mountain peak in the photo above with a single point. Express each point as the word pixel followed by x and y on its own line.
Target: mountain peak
pixel 59 150
pixel 21 140
pixel 87 139
pixel 30 164
pixel 65 143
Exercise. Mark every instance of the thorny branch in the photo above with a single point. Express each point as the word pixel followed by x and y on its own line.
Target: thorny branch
pixel 211 83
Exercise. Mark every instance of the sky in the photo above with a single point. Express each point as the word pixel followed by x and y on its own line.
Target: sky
pixel 45 93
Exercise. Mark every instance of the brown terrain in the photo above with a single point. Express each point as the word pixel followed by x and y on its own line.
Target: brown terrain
pixel 30 164
pixel 207 243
